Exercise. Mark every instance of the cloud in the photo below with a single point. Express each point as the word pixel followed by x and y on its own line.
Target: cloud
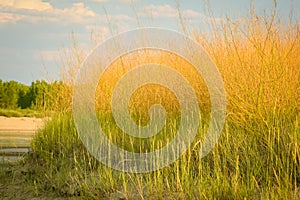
pixel 31 12
pixel 35 11
pixel 8 17
pixel 159 11
pixel 192 14
pixel 26 4
pixel 120 1
pixel 79 9
pixel 8 9
pixel 167 11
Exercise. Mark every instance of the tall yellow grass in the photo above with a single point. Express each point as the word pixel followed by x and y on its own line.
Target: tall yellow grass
pixel 258 58
pixel 257 155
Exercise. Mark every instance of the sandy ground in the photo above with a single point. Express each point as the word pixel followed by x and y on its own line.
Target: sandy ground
pixel 20 123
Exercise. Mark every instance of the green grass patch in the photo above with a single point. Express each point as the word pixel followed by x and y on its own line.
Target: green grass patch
pixel 252 162
pixel 22 113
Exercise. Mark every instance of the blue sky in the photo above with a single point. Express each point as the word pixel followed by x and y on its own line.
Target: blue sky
pixel 34 33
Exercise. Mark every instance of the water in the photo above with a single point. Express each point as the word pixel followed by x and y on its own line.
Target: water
pixel 14 145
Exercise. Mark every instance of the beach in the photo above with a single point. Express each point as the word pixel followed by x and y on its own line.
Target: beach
pixel 20 124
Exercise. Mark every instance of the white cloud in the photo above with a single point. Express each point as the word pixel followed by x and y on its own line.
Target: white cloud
pixel 26 4
pixel 159 11
pixel 79 9
pixel 167 11
pixel 120 1
pixel 35 11
pixel 192 14
pixel 8 9
pixel 39 12
pixel 8 17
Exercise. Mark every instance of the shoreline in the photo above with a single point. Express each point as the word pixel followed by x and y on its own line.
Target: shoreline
pixel 21 124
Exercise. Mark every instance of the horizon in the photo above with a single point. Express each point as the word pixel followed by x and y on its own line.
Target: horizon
pixel 36 34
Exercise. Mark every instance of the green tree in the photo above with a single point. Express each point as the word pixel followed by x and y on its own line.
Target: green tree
pixel 9 95
pixel 1 94
pixel 24 100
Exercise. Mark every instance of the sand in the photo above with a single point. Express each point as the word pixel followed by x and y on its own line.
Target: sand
pixel 20 123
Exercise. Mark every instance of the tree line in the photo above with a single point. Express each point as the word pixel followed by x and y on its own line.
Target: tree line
pixel 40 95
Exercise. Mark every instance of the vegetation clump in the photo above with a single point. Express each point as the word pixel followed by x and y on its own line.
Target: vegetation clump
pixel 257 155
